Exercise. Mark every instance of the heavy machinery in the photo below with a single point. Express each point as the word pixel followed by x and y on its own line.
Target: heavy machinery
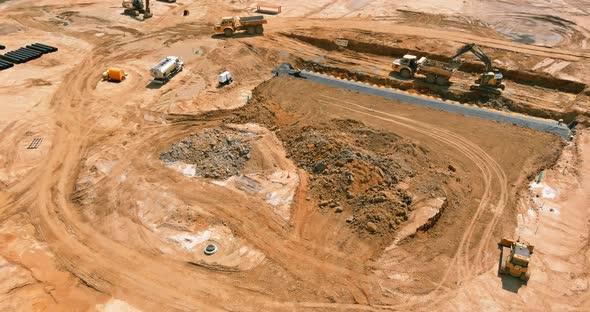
pixel 166 69
pixel 436 72
pixel 114 74
pixel 135 7
pixel 225 78
pixel 251 24
pixel 407 66
pixel 286 69
pixel 516 262
pixel 491 80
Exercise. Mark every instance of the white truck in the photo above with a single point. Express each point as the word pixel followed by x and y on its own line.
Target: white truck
pixel 224 78
pixel 166 69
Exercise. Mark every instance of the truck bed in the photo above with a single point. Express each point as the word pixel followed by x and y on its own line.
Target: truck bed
pixel 249 19
pixel 440 68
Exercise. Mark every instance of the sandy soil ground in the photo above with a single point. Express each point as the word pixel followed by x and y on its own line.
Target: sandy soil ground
pixel 318 216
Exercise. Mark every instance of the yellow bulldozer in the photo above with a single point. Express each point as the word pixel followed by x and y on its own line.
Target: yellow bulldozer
pixel 516 262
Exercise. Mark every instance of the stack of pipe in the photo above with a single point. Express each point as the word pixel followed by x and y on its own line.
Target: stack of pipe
pixel 24 55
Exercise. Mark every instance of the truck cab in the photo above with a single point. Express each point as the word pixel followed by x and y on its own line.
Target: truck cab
pixel 226 25
pixel 406 66
pixel 408 60
pixel 227 21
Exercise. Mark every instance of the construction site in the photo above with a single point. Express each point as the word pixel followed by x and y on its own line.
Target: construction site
pixel 328 155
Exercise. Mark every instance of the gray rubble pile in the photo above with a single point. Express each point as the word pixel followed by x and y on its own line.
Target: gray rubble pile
pixel 215 153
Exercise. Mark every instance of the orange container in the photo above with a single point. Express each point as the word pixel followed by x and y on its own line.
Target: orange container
pixel 115 74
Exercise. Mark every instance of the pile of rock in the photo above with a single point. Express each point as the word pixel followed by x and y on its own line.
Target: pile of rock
pixel 215 153
pixel 348 178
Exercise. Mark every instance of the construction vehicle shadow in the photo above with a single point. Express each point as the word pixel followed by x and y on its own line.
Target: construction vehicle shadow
pixel 396 75
pixel 419 82
pixel 154 85
pixel 137 18
pixel 236 35
pixel 511 283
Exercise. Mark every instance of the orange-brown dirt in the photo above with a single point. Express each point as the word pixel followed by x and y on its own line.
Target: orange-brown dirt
pixel 312 194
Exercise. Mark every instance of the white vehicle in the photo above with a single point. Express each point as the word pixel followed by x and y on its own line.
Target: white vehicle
pixel 224 78
pixel 167 68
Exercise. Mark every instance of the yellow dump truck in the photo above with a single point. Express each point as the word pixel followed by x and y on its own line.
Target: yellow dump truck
pixel 228 26
pixel 436 72
pixel 516 261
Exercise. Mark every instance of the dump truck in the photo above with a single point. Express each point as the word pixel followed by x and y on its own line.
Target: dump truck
pixel 516 261
pixel 436 72
pixel 230 25
pixel 114 74
pixel 166 69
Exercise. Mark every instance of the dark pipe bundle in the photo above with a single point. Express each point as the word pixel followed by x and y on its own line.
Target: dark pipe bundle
pixel 50 48
pixel 5 64
pixel 11 59
pixel 23 55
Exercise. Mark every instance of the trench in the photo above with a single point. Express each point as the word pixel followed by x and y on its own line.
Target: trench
pixel 521 77
pixel 546 125
pixel 444 93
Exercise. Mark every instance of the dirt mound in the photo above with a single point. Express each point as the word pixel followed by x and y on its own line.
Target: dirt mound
pixel 347 176
pixel 215 153
pixel 353 168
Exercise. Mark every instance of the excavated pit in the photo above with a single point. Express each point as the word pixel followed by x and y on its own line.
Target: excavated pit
pixel 370 176
pixel 353 169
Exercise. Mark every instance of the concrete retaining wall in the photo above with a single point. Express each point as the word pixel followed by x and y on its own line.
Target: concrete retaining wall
pixel 540 124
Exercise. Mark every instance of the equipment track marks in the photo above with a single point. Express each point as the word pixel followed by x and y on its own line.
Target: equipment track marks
pixel 488 167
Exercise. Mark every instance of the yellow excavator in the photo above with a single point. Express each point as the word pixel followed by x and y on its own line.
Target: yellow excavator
pixel 490 82
pixel 135 7
pixel 516 262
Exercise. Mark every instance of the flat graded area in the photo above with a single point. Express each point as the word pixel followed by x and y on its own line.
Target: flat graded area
pixel 444 155
pixel 316 198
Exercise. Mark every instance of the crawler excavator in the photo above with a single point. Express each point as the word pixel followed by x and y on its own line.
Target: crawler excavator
pixel 135 7
pixel 490 82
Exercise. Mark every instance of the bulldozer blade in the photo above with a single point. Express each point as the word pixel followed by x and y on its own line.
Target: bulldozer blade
pixel 505 242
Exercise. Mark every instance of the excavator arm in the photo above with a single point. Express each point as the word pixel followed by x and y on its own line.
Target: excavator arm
pixel 477 51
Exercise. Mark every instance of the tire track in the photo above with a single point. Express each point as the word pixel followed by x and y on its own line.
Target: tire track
pixel 488 167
